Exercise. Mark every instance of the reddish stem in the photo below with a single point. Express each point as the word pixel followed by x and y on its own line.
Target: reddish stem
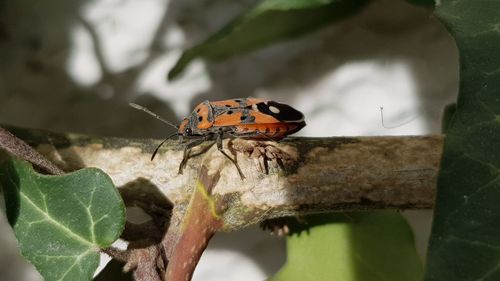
pixel 198 226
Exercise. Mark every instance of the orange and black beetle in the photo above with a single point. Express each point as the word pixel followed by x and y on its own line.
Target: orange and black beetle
pixel 248 118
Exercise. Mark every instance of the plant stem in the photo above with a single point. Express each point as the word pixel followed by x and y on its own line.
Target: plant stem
pixel 316 174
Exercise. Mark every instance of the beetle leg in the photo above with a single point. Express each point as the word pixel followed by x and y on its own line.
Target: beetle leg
pixel 187 149
pixel 265 136
pixel 221 149
pixel 184 160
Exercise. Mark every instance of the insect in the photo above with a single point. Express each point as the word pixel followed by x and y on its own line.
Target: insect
pixel 248 118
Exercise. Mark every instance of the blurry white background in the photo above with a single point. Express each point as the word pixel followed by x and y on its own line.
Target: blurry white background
pixel 74 65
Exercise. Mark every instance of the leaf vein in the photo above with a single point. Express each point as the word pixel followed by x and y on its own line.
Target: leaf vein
pixel 473 242
pixel 89 216
pixel 55 222
pixel 489 273
pixel 77 260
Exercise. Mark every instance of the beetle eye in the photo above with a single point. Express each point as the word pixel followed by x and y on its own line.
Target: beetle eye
pixel 188 131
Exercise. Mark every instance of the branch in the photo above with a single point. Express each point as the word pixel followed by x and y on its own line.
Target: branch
pixel 305 175
pixel 17 147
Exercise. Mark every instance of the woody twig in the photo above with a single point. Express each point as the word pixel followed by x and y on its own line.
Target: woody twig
pixel 294 177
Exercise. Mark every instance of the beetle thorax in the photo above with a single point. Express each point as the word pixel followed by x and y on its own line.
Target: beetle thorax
pixel 199 121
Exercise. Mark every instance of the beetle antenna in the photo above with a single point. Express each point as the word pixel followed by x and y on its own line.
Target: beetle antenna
pixel 161 143
pixel 142 108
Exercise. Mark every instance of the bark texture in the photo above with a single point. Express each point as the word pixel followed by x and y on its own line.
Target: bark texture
pixel 295 176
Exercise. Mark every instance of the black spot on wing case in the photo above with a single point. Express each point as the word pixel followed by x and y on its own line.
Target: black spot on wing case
pixel 284 112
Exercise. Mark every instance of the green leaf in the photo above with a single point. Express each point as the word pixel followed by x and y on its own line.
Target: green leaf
pixel 61 222
pixel 268 22
pixel 465 239
pixel 448 112
pixel 375 246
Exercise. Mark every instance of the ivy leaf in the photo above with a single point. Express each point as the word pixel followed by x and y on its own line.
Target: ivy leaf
pixel 268 22
pixel 374 246
pixel 465 239
pixel 61 222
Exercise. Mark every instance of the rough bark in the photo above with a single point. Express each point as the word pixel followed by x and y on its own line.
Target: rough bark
pixel 305 175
